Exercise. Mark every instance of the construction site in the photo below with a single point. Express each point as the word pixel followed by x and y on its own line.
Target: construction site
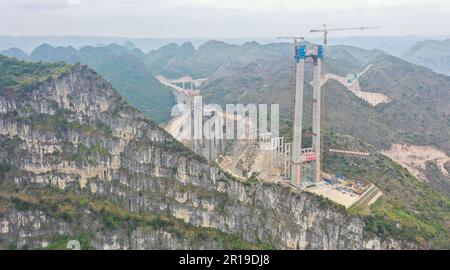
pixel 267 156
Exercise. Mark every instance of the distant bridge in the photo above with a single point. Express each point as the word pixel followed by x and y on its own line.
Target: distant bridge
pixel 182 95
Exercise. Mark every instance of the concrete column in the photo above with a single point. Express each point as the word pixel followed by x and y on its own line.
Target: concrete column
pixel 287 163
pixel 191 102
pixel 223 145
pixel 272 152
pixel 298 122
pixel 216 148
pixel 198 118
pixel 317 116
pixel 281 152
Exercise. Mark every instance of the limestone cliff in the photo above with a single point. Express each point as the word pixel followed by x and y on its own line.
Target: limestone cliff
pixel 77 161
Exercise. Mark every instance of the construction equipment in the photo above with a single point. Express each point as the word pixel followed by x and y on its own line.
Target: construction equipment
pixel 295 38
pixel 325 32
pixel 349 152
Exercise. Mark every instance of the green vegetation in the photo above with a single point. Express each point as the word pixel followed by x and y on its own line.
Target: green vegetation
pixel 89 153
pixel 57 123
pixel 127 70
pixel 99 128
pixel 383 228
pixel 20 205
pixel 18 78
pixel 4 168
pixel 59 242
pixel 130 77
pixel 409 209
pixel 221 199
pixel 63 121
pixel 437 179
pixel 432 54
pixel 269 69
pixel 181 149
pixel 8 146
pixel 68 206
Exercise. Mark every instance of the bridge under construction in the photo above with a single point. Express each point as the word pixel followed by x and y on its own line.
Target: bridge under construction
pixel 275 159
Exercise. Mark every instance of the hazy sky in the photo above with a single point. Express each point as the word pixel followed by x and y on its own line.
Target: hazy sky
pixel 220 18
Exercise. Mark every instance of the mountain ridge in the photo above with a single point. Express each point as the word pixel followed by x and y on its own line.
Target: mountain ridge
pixel 126 69
pixel 433 54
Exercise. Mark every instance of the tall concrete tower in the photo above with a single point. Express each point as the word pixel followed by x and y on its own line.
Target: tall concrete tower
pixel 317 118
pixel 296 169
pixel 303 158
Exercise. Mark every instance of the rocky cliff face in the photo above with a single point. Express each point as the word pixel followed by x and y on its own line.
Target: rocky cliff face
pixel 77 161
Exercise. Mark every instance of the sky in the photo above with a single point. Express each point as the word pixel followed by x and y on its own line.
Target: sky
pixel 220 18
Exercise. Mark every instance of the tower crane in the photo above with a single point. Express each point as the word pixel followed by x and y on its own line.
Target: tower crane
pixel 295 39
pixel 326 30
pixel 292 38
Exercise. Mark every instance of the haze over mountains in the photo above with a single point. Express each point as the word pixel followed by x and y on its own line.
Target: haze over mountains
pixel 391 44
pixel 29 43
pixel 433 54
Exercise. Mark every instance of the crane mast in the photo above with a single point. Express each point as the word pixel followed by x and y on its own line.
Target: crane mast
pixel 326 30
